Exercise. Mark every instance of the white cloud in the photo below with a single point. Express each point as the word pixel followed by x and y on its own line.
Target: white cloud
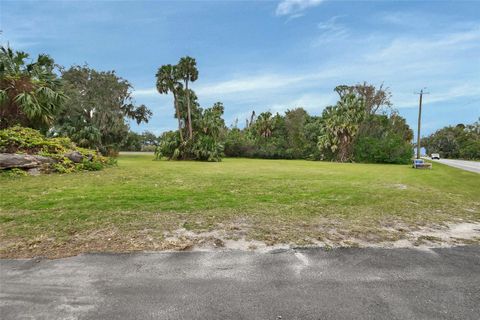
pixel 331 24
pixel 437 95
pixel 257 84
pixel 331 30
pixel 426 47
pixel 295 7
pixel 404 64
pixel 250 83
pixel 312 102
pixel 145 92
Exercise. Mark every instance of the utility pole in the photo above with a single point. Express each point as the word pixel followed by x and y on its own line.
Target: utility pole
pixel 421 93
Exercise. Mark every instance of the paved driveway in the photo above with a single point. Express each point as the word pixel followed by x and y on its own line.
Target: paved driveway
pixel 473 166
pixel 293 284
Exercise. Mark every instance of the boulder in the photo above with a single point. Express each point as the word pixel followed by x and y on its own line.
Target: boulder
pixel 75 156
pixel 44 160
pixel 34 171
pixel 25 161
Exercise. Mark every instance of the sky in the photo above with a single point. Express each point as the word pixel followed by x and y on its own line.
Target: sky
pixel 268 55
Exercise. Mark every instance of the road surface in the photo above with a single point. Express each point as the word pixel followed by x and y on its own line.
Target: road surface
pixel 472 166
pixel 290 284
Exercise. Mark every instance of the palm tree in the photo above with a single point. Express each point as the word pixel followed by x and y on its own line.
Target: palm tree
pixel 187 71
pixel 265 124
pixel 211 122
pixel 30 93
pixel 168 81
pixel 341 124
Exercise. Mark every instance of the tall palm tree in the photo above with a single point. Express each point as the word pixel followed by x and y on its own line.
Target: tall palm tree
pixel 168 81
pixel 30 93
pixel 187 71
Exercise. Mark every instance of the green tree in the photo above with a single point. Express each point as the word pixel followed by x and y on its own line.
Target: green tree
pixel 341 124
pixel 376 100
pixel 312 130
pixel 187 71
pixel 169 146
pixel 206 143
pixel 205 126
pixel 133 142
pixel 30 93
pixel 295 121
pixel 460 141
pixel 96 114
pixel 195 110
pixel 149 138
pixel 236 144
pixel 386 139
pixel 264 125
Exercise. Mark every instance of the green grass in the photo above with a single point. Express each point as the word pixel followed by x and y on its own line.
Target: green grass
pixel 134 205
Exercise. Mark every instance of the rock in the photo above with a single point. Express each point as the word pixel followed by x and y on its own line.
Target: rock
pixel 25 161
pixel 75 156
pixel 218 243
pixel 12 160
pixel 44 160
pixel 34 171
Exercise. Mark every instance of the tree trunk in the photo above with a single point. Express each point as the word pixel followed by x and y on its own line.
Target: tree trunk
pixel 190 129
pixel 178 116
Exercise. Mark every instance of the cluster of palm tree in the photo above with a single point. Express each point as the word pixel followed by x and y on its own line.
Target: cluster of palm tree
pixel 175 79
pixel 199 130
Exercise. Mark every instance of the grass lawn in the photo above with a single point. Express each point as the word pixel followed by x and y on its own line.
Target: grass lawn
pixel 140 203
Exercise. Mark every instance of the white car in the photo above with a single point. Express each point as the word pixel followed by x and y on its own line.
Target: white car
pixel 435 156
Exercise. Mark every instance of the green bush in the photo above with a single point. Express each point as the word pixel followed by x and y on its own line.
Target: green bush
pixel 91 166
pixel 26 140
pixel 383 139
pixel 169 146
pixel 389 149
pixel 29 141
pixel 15 172
pixel 205 148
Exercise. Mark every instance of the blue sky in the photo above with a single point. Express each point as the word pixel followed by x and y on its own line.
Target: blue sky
pixel 268 55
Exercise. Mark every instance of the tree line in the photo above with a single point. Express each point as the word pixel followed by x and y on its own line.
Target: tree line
pixel 455 142
pixel 362 126
pixel 93 107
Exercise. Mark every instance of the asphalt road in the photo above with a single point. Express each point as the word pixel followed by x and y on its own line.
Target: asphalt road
pixel 293 284
pixel 473 166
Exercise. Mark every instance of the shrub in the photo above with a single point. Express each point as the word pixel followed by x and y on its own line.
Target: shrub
pixel 169 146
pixel 389 149
pixel 29 141
pixel 91 165
pixel 26 140
pixel 15 172
pixel 205 148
